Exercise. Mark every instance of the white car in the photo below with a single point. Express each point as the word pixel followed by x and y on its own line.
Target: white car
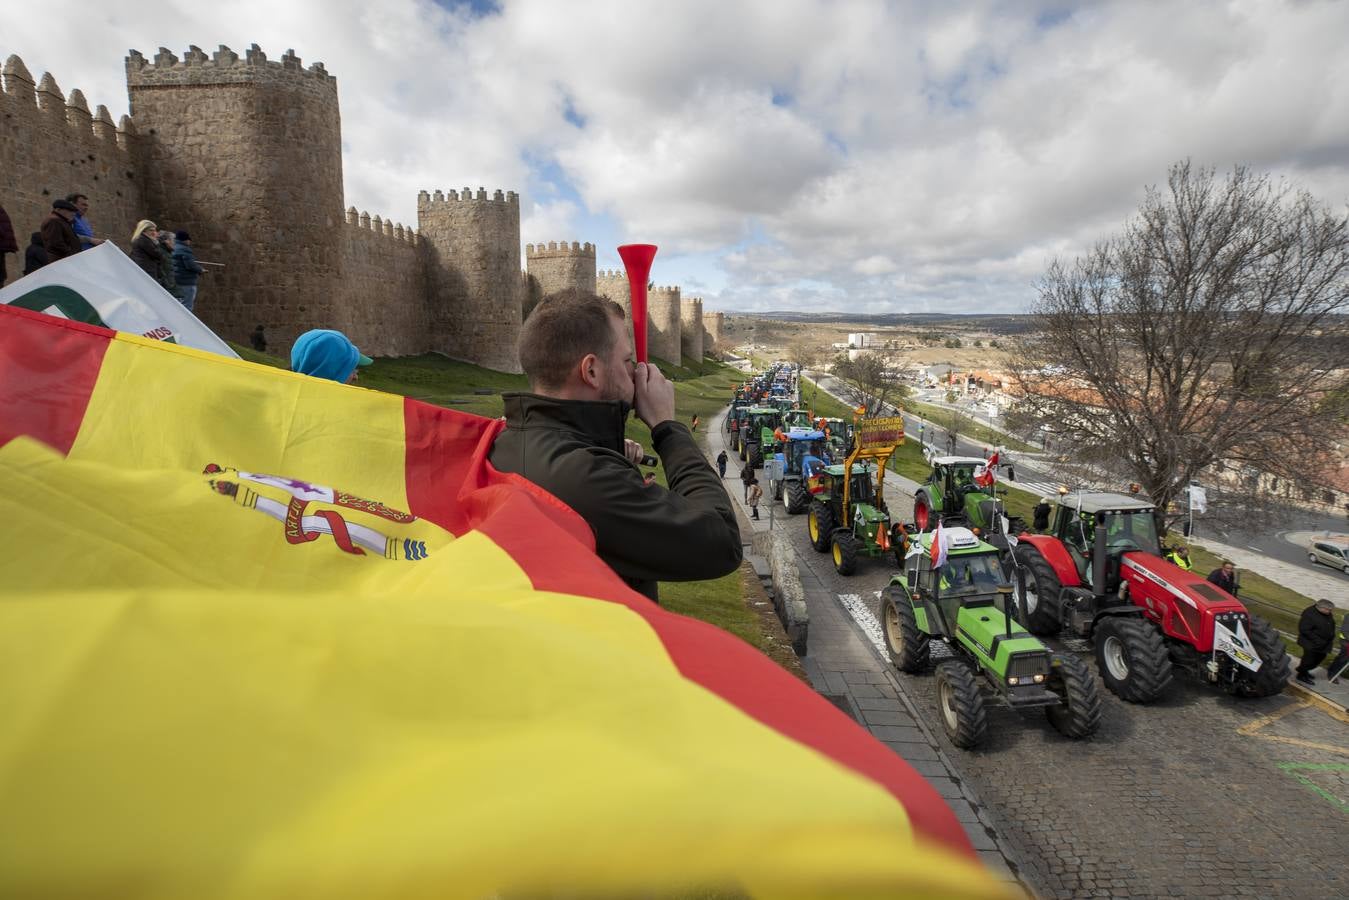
pixel 1333 552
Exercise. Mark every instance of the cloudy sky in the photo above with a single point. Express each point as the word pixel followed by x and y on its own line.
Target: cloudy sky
pixel 784 154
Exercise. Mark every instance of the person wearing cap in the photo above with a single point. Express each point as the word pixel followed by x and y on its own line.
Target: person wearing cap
pixel 324 353
pixel 145 249
pixel 1315 635
pixel 58 232
pixel 185 269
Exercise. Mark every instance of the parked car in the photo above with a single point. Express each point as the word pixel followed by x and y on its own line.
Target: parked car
pixel 1333 552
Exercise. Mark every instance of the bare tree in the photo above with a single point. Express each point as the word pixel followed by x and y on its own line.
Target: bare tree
pixel 873 381
pixel 1204 341
pixel 804 352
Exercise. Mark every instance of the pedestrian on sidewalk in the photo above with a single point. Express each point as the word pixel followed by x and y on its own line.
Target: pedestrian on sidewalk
pixel 1225 577
pixel 1315 635
pixel 1337 668
pixel 746 477
pixel 721 463
pixel 755 495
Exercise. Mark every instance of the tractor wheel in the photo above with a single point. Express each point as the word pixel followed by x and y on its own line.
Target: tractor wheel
pixel 922 512
pixel 1273 674
pixel 1132 658
pixel 961 704
pixel 777 490
pixel 798 498
pixel 909 647
pixel 1079 715
pixel 743 448
pixel 756 457
pixel 1040 587
pixel 820 525
pixel 845 552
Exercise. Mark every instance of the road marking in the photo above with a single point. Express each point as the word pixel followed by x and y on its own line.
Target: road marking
pixel 1324 794
pixel 1255 726
pixel 862 615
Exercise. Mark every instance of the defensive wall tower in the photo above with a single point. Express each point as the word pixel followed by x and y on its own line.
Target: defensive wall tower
pixel 714 330
pixel 613 283
pixel 662 324
pixel 246 154
pixel 558 266
pixel 475 289
pixel 691 328
pixel 51 146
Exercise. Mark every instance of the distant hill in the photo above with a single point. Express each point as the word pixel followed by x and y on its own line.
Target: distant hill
pixel 997 322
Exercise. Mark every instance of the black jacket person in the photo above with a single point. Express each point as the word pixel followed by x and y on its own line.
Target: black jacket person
pixel 567 437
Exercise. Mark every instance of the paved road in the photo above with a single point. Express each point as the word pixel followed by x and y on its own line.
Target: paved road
pixel 1197 795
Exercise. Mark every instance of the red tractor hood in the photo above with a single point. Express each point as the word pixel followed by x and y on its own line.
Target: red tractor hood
pixel 1153 575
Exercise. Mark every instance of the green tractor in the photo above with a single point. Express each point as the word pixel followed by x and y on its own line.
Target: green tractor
pixel 952 495
pixel 848 516
pixel 756 432
pixel 734 420
pixel 966 602
pixel 802 452
pixel 840 434
pixel 797 418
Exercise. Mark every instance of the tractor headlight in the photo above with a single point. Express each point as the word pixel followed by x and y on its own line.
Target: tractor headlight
pixel 1013 679
pixel 1039 679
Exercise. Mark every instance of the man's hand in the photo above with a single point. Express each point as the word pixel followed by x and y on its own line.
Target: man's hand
pixel 653 397
pixel 633 451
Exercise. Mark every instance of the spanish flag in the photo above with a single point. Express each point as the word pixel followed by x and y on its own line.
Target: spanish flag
pixel 268 636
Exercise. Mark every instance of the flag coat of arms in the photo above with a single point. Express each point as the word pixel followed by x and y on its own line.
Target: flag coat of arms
pixel 263 635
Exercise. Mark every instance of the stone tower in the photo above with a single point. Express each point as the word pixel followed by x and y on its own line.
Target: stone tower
pixel 714 329
pixel 246 154
pixel 691 328
pixel 662 323
pixel 473 275
pixel 613 283
pixel 558 267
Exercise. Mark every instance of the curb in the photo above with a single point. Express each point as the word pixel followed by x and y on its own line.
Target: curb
pixel 789 598
pixel 1322 702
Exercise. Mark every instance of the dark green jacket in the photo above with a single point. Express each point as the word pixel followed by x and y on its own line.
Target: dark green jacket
pixel 574 450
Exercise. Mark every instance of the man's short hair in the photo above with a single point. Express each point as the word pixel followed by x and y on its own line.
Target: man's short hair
pixel 562 329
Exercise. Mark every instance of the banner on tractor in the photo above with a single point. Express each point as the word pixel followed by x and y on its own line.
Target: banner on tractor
pixel 267 635
pixel 1237 645
pixel 103 287
pixel 887 432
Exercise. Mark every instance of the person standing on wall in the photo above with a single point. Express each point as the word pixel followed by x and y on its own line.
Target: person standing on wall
pixel 145 250
pixel 83 230
pixel 8 244
pixel 166 266
pixel 35 254
pixel 58 235
pixel 186 269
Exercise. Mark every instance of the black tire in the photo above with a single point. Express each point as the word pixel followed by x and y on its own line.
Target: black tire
pixel 777 490
pixel 1273 674
pixel 1132 658
pixel 910 650
pixel 798 498
pixel 820 526
pixel 1079 715
pixel 960 704
pixel 1037 582
pixel 756 457
pixel 844 552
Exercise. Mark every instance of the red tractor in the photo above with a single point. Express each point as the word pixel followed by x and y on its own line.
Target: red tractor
pixel 1100 574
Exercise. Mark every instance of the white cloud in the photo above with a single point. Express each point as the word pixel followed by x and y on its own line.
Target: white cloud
pixel 862 155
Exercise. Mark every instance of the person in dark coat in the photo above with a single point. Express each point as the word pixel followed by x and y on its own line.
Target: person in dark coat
pixel 1315 635
pixel 1225 577
pixel 258 339
pixel 567 437
pixel 186 270
pixel 35 255
pixel 166 266
pixel 58 234
pixel 8 243
pixel 721 463
pixel 1041 515
pixel 747 478
pixel 145 251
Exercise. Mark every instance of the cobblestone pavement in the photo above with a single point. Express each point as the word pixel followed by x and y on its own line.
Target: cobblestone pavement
pixel 1196 795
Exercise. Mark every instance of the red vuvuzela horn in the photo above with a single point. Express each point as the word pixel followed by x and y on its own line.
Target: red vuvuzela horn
pixel 637 261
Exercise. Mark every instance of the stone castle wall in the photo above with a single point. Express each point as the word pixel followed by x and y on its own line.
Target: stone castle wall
pixel 714 331
pixel 613 283
pixel 691 328
pixel 384 286
pixel 475 290
pixel 662 324
pixel 558 267
pixel 51 146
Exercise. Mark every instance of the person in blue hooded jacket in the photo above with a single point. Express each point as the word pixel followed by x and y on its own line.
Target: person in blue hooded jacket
pixel 325 353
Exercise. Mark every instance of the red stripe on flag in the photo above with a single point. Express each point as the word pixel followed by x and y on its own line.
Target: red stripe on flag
pixel 48 368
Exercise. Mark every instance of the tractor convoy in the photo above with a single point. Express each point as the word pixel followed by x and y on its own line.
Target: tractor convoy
pixel 979 583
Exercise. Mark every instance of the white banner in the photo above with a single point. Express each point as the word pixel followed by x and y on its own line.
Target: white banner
pixel 103 287
pixel 1236 645
pixel 1198 499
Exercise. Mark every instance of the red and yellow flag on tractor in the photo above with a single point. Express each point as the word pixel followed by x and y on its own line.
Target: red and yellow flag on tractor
pixel 263 635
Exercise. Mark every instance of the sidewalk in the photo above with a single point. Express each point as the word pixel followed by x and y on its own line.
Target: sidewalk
pixel 1310 584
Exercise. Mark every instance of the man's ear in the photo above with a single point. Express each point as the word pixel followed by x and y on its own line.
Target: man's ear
pixel 588 369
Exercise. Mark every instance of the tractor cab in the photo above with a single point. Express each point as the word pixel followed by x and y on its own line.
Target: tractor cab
pixel 759 423
pixel 849 513
pixel 797 418
pixel 953 494
pixel 1097 529
pixel 972 576
pixel 804 454
pixel 839 433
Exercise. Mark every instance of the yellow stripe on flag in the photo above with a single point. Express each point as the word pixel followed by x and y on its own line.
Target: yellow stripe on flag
pixel 355 726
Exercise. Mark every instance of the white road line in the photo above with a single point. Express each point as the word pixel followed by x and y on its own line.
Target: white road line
pixel 864 617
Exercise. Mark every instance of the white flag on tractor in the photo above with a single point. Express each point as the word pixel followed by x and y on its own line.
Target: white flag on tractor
pixel 101 286
pixel 1236 645
pixel 1198 499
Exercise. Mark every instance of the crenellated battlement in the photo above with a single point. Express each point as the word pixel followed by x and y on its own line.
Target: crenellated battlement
pixel 46 97
pixel 427 200
pixel 385 227
pixel 665 291
pixel 224 66
pixel 560 249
